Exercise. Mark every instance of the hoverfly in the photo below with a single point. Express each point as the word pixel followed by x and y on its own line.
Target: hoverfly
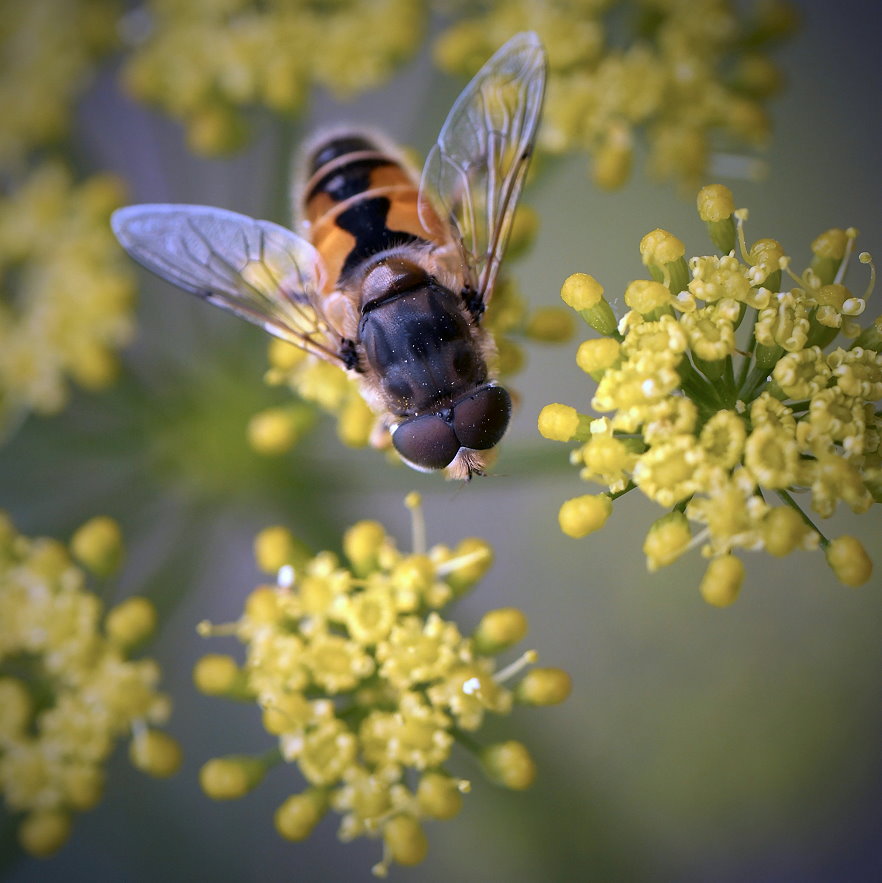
pixel 389 274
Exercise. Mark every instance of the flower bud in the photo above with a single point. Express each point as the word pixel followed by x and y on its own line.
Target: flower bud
pixel 509 764
pixel 290 711
pixel 716 208
pixel 849 561
pixel 226 778
pixel 544 686
pixel 722 580
pixel 49 559
pixel 659 248
pixel 583 515
pixel 648 297
pixel 274 547
pixel 478 559
pixel 439 796
pixel 362 543
pixel 405 839
pixel 262 605
pixel 156 753
pixel 216 674
pixel 783 530
pixel 300 813
pixel 44 832
pixel 585 295
pixel 83 786
pixel 828 250
pixel 98 546
pixel 666 540
pixel 500 629
pixel 131 622
pixel 559 422
pixel 598 355
pixel 550 325
pixel 581 292
pixel 276 430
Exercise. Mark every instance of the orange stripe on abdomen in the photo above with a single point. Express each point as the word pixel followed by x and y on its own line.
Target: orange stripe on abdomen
pixel 360 202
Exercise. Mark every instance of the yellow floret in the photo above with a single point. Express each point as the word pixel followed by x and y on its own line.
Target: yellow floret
pixel 583 515
pixel 849 561
pixel 509 764
pixel 722 580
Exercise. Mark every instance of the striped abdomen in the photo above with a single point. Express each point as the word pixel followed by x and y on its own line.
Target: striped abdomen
pixel 359 201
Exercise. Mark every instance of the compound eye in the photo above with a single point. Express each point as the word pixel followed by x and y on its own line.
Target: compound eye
pixel 480 419
pixel 426 442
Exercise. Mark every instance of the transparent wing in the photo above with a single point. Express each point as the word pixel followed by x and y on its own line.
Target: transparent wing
pixel 475 171
pixel 258 270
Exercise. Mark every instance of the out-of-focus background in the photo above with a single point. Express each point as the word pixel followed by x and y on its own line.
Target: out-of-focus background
pixel 698 743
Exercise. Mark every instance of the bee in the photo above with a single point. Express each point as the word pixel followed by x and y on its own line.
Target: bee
pixel 389 273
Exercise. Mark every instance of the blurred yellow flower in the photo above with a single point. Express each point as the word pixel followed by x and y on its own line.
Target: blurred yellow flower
pixel 689 76
pixel 707 420
pixel 206 63
pixel 66 301
pixel 47 51
pixel 68 690
pixel 367 687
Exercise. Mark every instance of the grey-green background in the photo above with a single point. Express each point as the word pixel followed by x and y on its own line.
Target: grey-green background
pixel 698 744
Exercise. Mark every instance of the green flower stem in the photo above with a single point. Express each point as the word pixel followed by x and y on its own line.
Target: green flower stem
pixel 602 319
pixel 745 364
pixel 820 335
pixel 722 234
pixel 467 742
pixel 678 273
pixel 755 379
pixel 729 379
pixel 713 371
pixel 698 389
pixel 681 506
pixel 614 496
pixel 795 506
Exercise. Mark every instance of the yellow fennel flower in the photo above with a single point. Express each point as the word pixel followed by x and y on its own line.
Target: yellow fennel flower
pixel 747 395
pixel 207 63
pixel 47 53
pixel 367 687
pixel 666 78
pixel 66 303
pixel 69 689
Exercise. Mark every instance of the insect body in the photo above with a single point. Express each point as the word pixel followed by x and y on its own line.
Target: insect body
pixel 390 274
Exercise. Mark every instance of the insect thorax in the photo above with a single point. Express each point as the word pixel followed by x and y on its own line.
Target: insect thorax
pixel 416 337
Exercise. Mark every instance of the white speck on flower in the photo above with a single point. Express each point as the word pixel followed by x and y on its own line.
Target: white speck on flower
pixel 471 686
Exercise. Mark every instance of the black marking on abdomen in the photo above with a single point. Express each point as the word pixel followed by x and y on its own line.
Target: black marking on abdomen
pixel 348 179
pixel 366 221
